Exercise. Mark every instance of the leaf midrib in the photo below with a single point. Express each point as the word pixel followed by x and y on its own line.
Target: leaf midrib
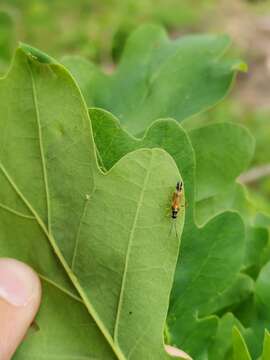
pixel 41 147
pixel 130 242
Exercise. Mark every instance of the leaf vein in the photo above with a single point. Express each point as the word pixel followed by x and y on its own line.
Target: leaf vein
pixel 130 241
pixel 15 212
pixel 78 233
pixel 49 281
pixel 41 146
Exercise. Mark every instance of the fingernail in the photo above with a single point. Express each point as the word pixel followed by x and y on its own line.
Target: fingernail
pixel 18 282
pixel 177 352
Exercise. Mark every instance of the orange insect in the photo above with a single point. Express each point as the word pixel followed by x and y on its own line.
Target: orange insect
pixel 176 204
pixel 176 200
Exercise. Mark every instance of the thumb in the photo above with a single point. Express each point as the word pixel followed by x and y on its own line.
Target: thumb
pixel 20 294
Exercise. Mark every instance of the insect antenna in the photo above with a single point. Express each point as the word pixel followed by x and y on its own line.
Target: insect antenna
pixel 173 226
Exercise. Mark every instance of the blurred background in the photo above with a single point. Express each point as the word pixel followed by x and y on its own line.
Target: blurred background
pixel 97 30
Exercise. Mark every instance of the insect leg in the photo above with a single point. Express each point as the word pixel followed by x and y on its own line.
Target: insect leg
pixel 175 228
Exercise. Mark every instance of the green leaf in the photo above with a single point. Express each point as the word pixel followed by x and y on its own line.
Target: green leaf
pixel 263 220
pixel 254 313
pixel 181 78
pixel 234 197
pixel 266 346
pixel 240 350
pixel 203 270
pixel 227 154
pixel 223 151
pixel 257 235
pixel 101 242
pixel 262 292
pixel 221 348
pixel 197 334
pixel 238 291
pixel 210 259
pixel 113 142
pixel 247 314
pixel 257 240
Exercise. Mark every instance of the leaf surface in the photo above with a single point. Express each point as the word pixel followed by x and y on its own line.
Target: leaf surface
pixel 63 330
pixel 255 314
pixel 101 242
pixel 238 291
pixel 155 70
pixel 240 351
pixel 221 348
pixel 266 346
pixel 223 151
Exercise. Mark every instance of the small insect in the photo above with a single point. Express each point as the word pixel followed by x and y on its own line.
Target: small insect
pixel 176 203
pixel 176 200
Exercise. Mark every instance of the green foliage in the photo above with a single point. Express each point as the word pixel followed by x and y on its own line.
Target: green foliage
pixel 181 77
pixel 69 206
pixel 197 244
pixel 257 121
pixel 87 203
pixel 266 347
pixel 228 153
pixel 90 27
pixel 240 349
pixel 112 143
pixel 221 348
